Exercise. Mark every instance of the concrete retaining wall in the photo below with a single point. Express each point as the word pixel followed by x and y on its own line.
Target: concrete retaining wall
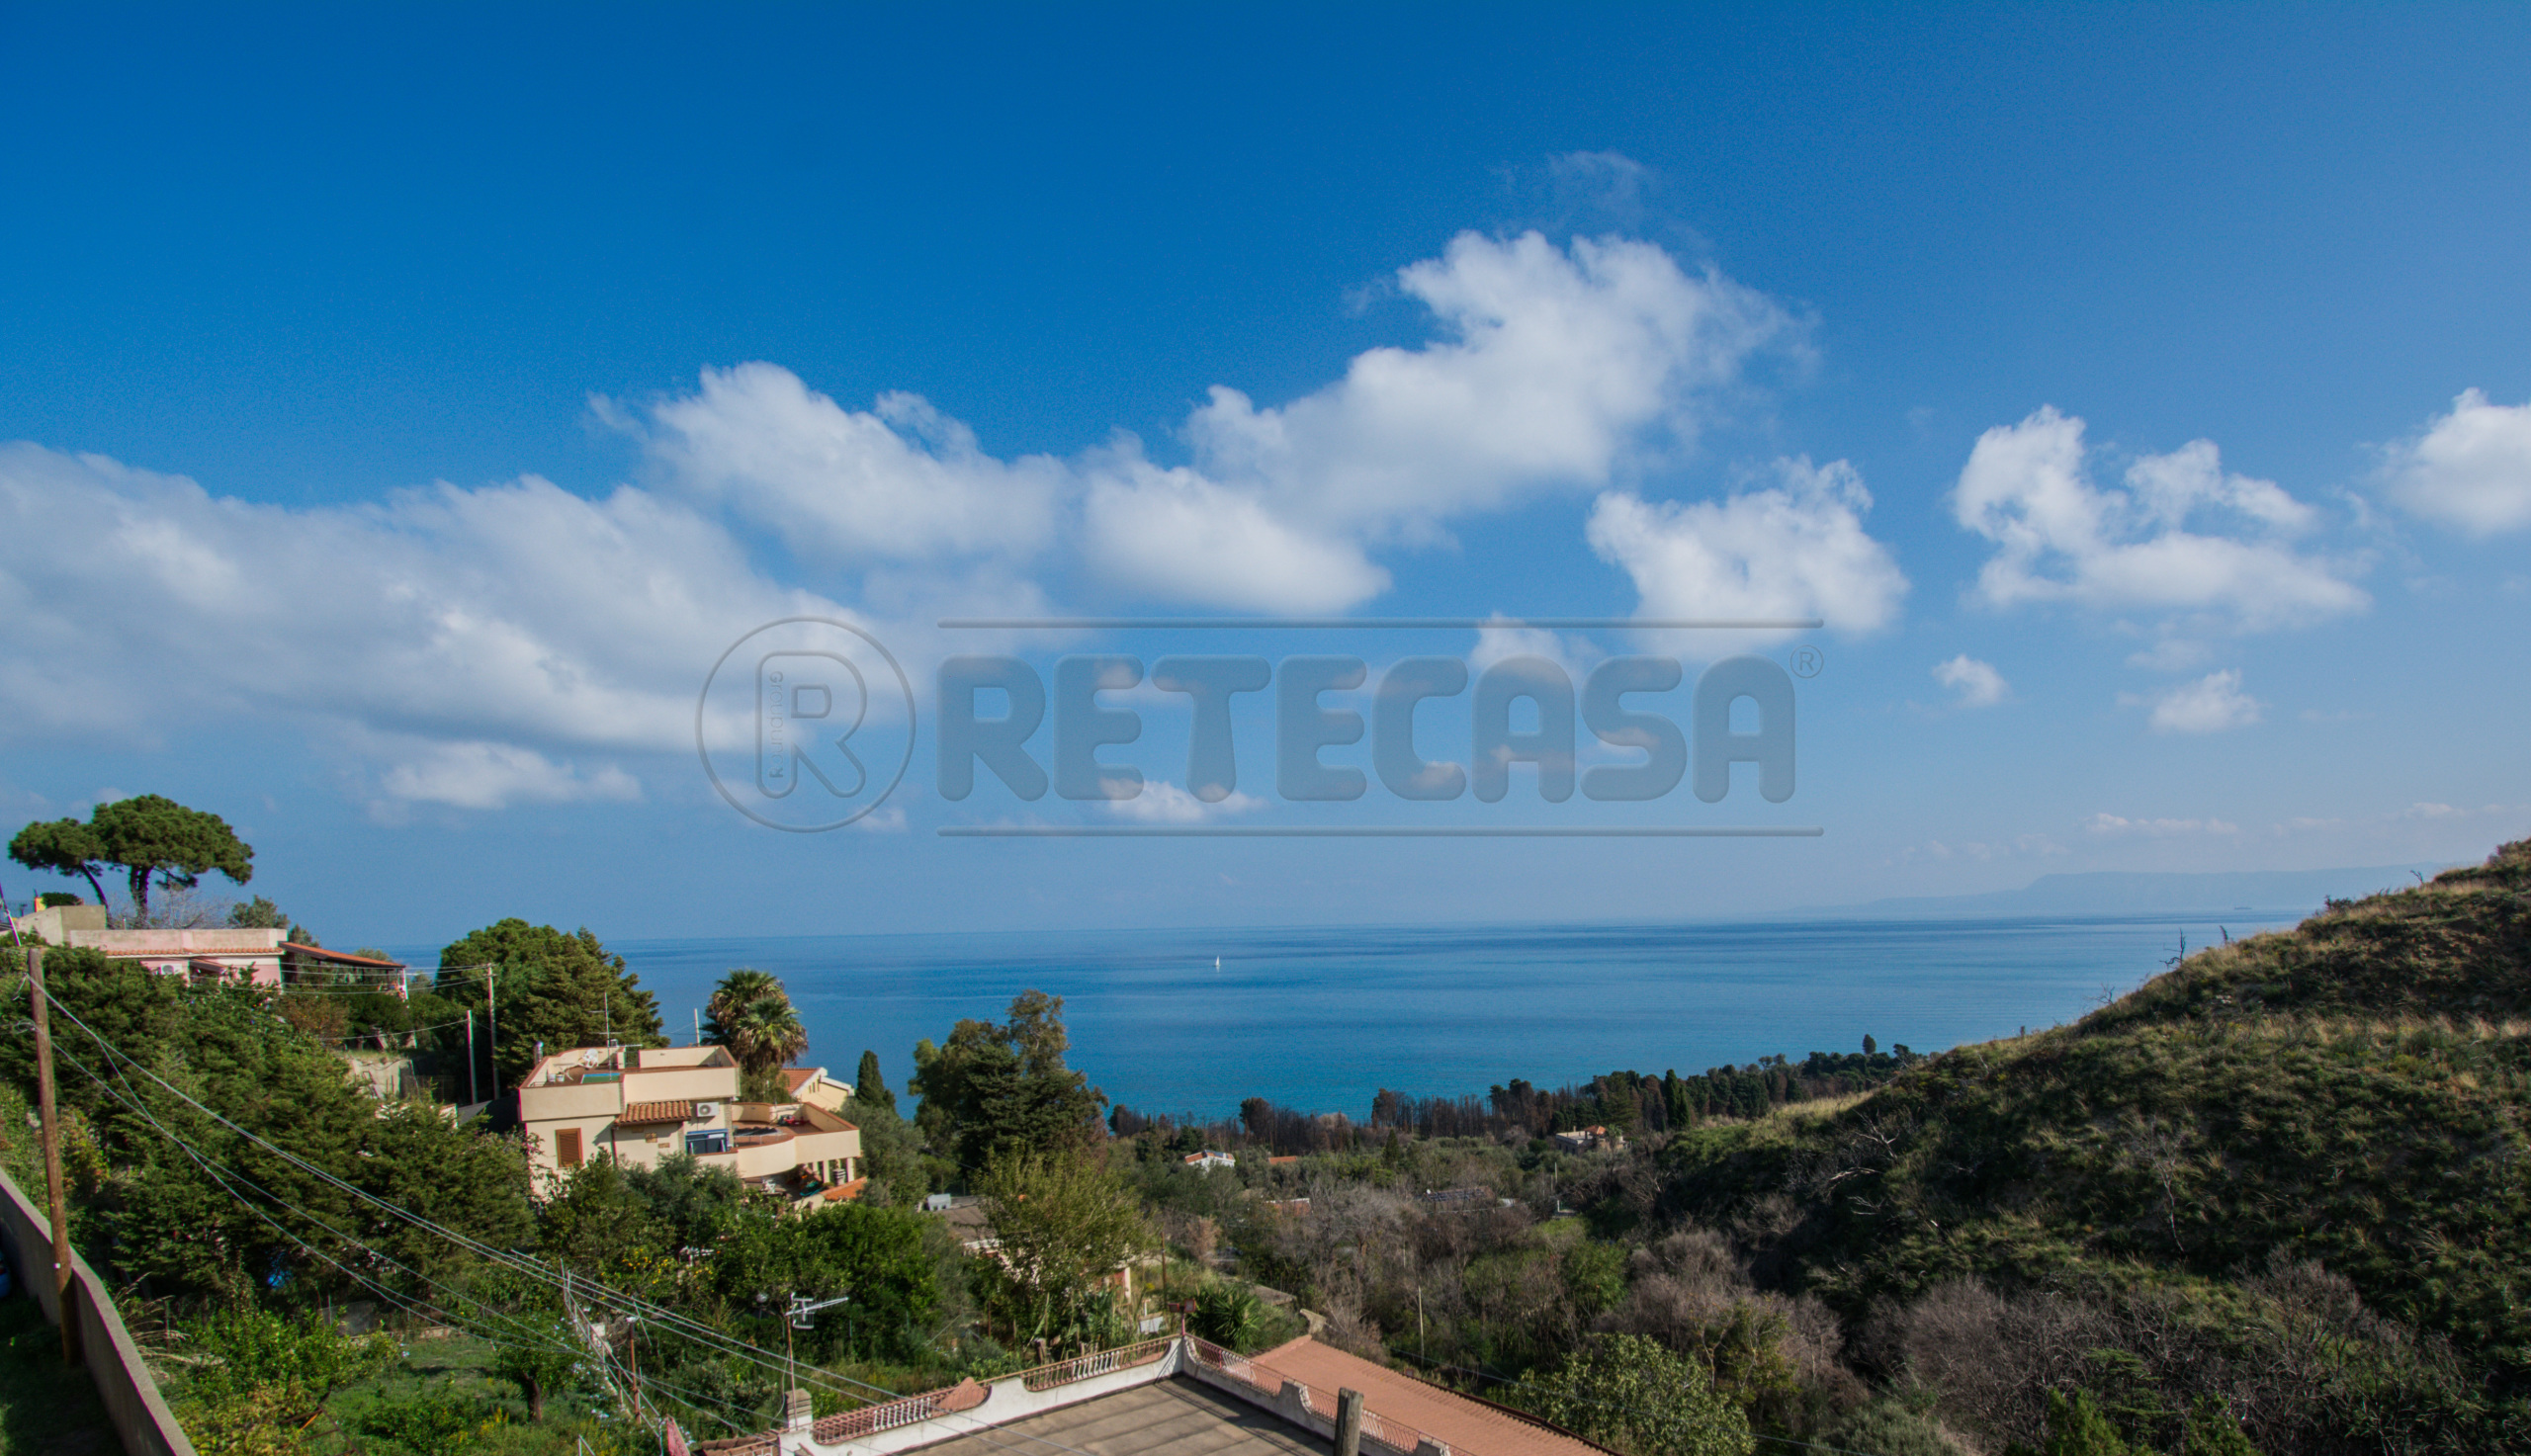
pixel 138 1411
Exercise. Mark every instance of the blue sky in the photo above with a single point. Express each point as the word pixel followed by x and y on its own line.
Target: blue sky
pixel 411 403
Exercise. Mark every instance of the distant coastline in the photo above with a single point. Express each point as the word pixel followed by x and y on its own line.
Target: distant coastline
pixel 2126 892
pixel 1320 1019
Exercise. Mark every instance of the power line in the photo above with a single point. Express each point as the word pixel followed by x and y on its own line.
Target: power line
pixel 691 1330
pixel 521 1334
pixel 383 1032
pixel 673 1322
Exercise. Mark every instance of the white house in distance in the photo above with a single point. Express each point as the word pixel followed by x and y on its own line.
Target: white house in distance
pixel 211 953
pixel 640 1104
pixel 1583 1139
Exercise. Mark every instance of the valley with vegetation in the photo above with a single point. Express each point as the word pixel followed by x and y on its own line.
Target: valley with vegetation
pixel 2274 1199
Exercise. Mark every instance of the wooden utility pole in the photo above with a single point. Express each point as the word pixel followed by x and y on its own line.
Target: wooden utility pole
pixel 1348 1422
pixel 492 1024
pixel 53 1160
pixel 471 1099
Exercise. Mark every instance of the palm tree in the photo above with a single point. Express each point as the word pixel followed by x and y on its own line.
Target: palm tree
pixel 739 986
pixel 751 1015
pixel 767 1033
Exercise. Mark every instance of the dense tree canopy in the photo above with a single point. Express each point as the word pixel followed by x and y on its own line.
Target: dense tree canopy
pixel 62 847
pixel 875 1258
pixel 148 838
pixel 178 1229
pixel 1003 1087
pixel 564 990
pixel 1065 1222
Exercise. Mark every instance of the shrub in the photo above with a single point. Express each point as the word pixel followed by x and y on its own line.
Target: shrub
pixel 1632 1394
pixel 1230 1315
pixel 431 1422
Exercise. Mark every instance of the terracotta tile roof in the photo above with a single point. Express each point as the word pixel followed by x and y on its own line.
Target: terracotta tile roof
pixel 846 1193
pixel 1472 1427
pixel 645 1112
pixel 338 958
pixel 966 1394
pixel 796 1077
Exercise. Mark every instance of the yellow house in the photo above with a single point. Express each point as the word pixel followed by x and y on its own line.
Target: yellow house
pixel 813 1085
pixel 640 1104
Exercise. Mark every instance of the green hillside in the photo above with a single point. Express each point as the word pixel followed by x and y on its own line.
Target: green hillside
pixel 2290 1173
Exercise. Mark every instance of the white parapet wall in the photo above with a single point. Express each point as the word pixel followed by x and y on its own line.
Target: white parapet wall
pixel 972 1408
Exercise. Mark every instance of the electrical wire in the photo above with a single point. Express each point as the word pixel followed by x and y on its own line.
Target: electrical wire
pixel 520 1333
pixel 344 1041
pixel 691 1330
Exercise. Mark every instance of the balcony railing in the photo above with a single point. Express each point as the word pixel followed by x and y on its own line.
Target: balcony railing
pixel 869 1421
pixel 1105 1362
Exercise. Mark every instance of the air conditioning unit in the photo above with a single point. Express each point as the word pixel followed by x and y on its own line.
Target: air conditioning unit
pixel 706 1111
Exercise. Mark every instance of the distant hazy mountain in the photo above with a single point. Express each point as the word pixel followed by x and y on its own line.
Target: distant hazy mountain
pixel 2115 892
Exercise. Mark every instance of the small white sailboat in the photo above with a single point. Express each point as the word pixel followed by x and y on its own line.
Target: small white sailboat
pixel 1217 963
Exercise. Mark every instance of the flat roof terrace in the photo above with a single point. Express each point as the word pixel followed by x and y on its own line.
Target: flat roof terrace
pixel 1173 1414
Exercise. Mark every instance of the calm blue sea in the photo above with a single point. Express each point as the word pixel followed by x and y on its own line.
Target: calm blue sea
pixel 1321 1019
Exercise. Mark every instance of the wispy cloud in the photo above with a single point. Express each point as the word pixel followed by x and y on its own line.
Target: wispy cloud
pixel 1977 683
pixel 2213 704
pixel 497 775
pixel 2117 827
pixel 1164 803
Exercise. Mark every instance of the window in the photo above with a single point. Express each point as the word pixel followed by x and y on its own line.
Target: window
pixel 715 1141
pixel 566 1147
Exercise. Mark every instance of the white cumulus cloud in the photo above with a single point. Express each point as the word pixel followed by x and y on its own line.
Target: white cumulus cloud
pixel 2211 705
pixel 899 481
pixel 1551 369
pixel 2182 536
pixel 488 646
pixel 1175 534
pixel 1556 369
pixel 1795 549
pixel 2471 469
pixel 1977 683
pixel 453 637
